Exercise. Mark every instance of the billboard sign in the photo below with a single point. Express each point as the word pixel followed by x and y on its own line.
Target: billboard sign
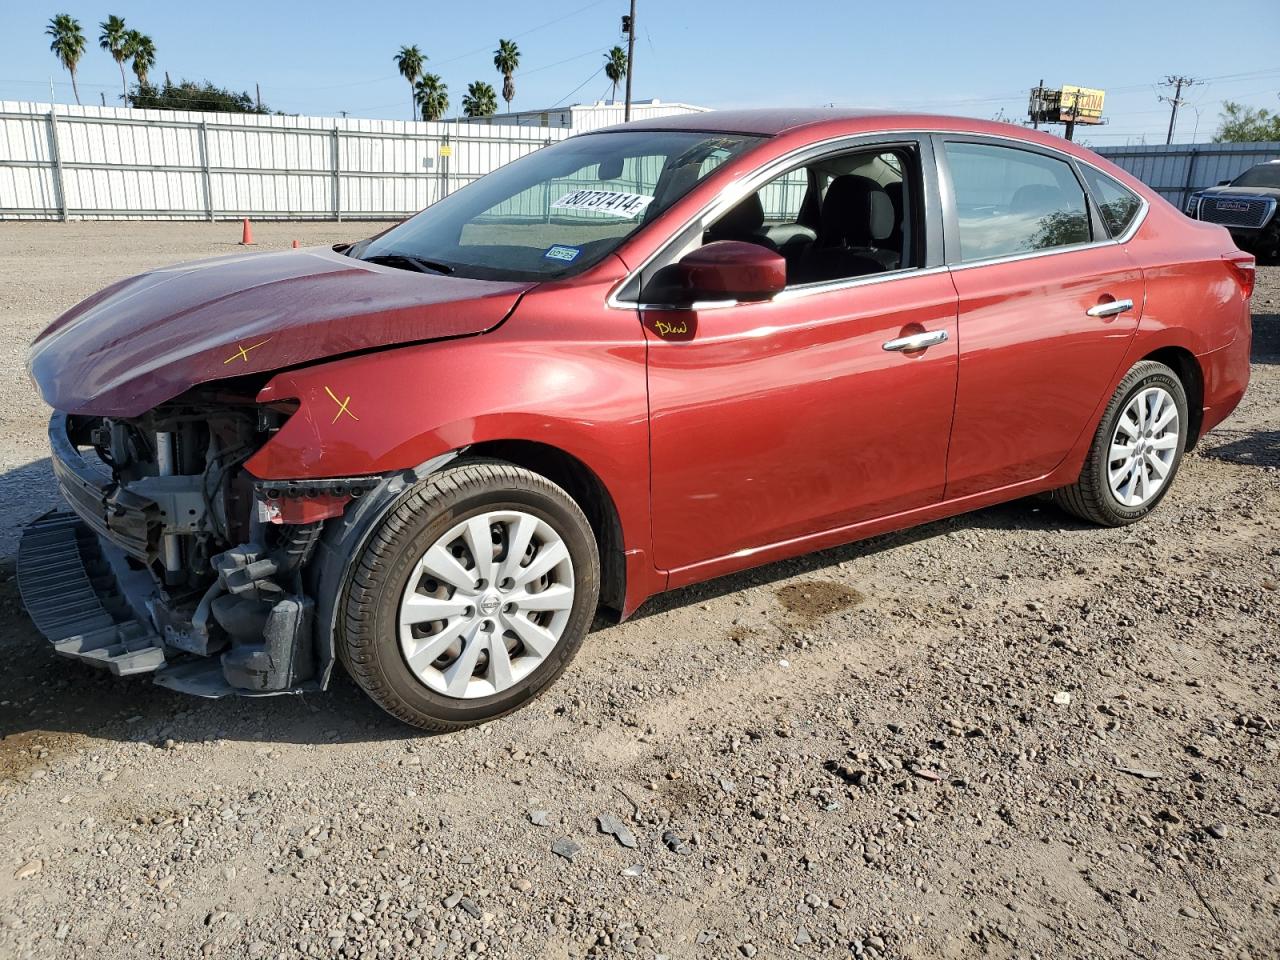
pixel 1071 103
pixel 1084 101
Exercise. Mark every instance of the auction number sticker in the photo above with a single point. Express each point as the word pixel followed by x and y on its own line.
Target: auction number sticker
pixel 604 201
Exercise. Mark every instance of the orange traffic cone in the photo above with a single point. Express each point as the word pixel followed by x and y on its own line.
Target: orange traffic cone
pixel 246 238
pixel 295 244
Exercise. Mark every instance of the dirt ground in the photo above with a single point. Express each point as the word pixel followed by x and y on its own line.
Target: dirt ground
pixel 1003 735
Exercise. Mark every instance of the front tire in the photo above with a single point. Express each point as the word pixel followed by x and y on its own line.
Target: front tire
pixel 471 597
pixel 1136 450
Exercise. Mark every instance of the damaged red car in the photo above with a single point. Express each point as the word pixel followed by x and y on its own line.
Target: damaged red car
pixel 637 359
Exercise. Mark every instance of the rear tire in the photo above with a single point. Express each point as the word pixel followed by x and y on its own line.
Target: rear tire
pixel 425 612
pixel 1135 452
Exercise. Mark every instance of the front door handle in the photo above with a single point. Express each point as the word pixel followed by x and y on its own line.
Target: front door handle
pixel 1111 308
pixel 917 341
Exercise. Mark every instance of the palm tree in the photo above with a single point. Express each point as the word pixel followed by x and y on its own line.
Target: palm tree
pixel 505 60
pixel 480 101
pixel 409 61
pixel 68 44
pixel 140 48
pixel 615 67
pixel 433 96
pixel 114 39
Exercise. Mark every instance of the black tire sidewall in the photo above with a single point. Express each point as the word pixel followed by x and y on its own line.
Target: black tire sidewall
pixel 412 540
pixel 1160 377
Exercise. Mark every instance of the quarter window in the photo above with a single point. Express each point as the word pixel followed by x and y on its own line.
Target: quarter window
pixel 1011 201
pixel 1119 205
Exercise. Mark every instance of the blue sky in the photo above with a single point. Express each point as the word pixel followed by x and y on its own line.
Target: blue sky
pixel 972 58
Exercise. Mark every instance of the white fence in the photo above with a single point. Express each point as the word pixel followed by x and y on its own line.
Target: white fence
pixel 61 162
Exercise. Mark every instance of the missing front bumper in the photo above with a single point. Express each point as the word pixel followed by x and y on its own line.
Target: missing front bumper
pixel 83 594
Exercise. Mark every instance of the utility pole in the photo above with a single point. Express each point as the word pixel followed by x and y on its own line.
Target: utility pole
pixel 1071 116
pixel 1178 84
pixel 629 23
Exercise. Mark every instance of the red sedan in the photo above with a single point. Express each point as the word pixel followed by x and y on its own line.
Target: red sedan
pixel 637 359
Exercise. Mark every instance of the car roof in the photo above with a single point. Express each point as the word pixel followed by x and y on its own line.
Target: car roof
pixel 777 121
pixel 766 121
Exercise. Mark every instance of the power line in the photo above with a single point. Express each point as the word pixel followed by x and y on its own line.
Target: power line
pixel 577 88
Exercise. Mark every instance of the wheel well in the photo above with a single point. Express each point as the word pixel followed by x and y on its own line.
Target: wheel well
pixel 1183 362
pixel 587 490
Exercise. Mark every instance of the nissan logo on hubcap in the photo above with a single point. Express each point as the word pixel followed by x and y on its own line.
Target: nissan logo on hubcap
pixel 489 604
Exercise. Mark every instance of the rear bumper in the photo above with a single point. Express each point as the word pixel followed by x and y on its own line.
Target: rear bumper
pixel 126 519
pixel 1226 377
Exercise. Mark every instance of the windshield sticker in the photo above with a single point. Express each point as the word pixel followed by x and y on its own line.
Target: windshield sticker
pixel 604 201
pixel 562 252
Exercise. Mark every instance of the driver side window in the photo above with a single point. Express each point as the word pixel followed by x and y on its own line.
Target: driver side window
pixel 841 217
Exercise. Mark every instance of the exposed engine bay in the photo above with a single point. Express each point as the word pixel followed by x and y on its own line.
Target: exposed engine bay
pixel 191 567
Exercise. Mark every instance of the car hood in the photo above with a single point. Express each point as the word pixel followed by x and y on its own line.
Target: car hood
pixel 1273 192
pixel 149 338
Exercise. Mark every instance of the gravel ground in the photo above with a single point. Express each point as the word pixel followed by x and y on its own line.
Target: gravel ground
pixel 1006 734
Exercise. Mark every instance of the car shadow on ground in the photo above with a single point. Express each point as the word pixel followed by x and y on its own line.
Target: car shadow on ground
pixel 26 492
pixel 1258 449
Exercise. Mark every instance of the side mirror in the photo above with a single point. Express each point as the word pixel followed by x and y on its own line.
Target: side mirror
pixel 1224 183
pixel 609 169
pixel 723 270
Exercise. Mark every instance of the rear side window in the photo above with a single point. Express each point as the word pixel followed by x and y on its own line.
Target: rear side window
pixel 1119 204
pixel 1011 201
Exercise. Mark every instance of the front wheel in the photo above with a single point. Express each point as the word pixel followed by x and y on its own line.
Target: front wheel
pixel 471 597
pixel 1136 451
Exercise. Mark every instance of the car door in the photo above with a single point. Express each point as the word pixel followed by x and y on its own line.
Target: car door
pixel 776 420
pixel 1047 305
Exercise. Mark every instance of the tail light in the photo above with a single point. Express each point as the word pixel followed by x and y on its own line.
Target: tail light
pixel 1244 268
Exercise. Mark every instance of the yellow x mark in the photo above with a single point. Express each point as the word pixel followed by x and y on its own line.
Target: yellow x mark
pixel 342 406
pixel 242 352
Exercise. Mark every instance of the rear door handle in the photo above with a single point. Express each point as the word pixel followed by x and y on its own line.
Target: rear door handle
pixel 917 341
pixel 1110 309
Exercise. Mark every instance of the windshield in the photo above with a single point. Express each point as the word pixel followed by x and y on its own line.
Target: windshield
pixel 557 211
pixel 1263 175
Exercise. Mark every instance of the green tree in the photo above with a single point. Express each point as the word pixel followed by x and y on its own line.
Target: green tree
pixel 114 39
pixel 432 96
pixel 506 59
pixel 409 62
pixel 68 45
pixel 189 95
pixel 615 67
pixel 142 51
pixel 1241 124
pixel 480 101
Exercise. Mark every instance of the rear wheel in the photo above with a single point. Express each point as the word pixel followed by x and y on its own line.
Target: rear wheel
pixel 471 597
pixel 1136 451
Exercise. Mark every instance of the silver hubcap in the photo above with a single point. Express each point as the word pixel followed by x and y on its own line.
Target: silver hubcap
pixel 1143 447
pixel 486 604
